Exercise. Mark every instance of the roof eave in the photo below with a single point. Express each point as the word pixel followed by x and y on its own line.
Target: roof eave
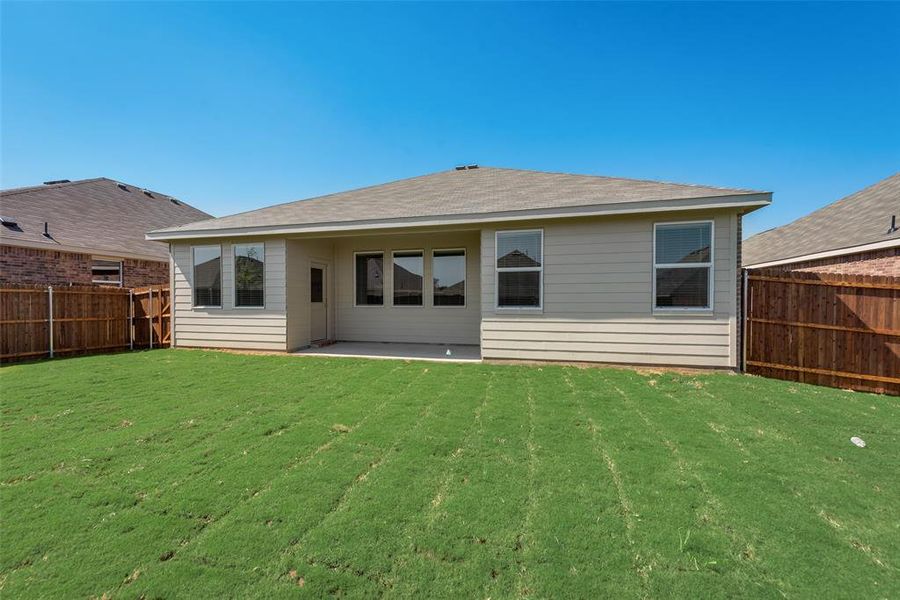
pixel 748 202
pixel 825 254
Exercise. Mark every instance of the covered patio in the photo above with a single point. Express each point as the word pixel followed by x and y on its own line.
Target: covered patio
pixel 463 353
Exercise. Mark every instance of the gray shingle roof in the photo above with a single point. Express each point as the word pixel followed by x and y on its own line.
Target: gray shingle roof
pixel 94 214
pixel 478 191
pixel 860 218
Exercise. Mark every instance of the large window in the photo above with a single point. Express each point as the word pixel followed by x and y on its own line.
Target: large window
pixel 207 266
pixel 448 272
pixel 106 272
pixel 249 275
pixel 409 277
pixel 682 265
pixel 520 268
pixel 369 278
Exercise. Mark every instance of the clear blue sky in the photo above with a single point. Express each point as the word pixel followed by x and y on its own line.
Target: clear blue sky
pixel 235 106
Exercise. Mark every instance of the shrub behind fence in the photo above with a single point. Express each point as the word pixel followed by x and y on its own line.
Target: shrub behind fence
pixel 38 322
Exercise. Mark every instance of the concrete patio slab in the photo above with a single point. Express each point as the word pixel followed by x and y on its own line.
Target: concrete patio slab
pixel 398 351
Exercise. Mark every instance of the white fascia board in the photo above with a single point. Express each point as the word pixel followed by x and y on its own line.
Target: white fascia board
pixel 750 201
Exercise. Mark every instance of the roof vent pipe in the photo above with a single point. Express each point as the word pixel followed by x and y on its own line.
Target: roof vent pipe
pixel 47 230
pixel 893 224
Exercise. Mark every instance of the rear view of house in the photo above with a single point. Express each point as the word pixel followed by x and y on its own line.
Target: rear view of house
pixel 519 264
pixel 88 232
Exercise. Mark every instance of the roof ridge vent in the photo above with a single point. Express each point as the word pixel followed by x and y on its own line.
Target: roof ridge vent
pixel 465 167
pixel 122 187
pixel 147 193
pixel 56 181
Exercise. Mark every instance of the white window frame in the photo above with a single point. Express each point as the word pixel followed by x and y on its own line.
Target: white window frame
pixel 393 255
pixel 465 281
pixel 194 277
pixel 118 283
pixel 710 265
pixel 498 270
pixel 384 286
pixel 234 248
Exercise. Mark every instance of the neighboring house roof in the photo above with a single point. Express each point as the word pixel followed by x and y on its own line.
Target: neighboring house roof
pixel 97 216
pixel 468 195
pixel 858 222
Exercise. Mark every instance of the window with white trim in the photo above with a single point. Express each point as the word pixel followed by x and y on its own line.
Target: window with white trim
pixel 409 277
pixel 207 276
pixel 683 265
pixel 369 278
pixel 106 272
pixel 249 275
pixel 520 268
pixel 448 275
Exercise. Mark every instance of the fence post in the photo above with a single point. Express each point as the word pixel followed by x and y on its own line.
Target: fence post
pixel 745 320
pixel 150 315
pixel 50 320
pixel 131 319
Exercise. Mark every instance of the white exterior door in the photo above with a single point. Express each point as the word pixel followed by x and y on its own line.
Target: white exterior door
pixel 318 314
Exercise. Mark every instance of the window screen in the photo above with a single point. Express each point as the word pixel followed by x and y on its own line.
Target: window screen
pixel 448 273
pixel 369 279
pixel 249 275
pixel 520 269
pixel 207 276
pixel 683 265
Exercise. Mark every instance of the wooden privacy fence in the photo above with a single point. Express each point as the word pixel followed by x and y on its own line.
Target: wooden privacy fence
pixel 38 322
pixel 827 329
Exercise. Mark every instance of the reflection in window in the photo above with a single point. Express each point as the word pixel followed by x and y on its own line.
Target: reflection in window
pixel 207 266
pixel 369 279
pixel 520 268
pixel 682 265
pixel 409 275
pixel 249 275
pixel 448 272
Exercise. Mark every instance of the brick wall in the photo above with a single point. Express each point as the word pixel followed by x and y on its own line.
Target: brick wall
pixel 36 266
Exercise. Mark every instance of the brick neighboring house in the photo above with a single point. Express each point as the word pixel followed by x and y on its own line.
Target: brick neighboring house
pixel 87 232
pixel 856 235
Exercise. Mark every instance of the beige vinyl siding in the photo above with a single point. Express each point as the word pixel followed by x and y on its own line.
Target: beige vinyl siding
pixel 301 254
pixel 598 303
pixel 230 327
pixel 416 324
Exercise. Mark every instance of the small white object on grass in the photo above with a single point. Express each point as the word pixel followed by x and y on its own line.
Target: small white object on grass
pixel 858 442
pixel 449 353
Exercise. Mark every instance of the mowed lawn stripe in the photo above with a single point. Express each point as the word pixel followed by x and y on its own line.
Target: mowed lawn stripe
pixel 468 543
pixel 364 533
pixel 580 544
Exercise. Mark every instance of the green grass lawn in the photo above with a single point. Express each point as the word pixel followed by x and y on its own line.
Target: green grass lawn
pixel 204 474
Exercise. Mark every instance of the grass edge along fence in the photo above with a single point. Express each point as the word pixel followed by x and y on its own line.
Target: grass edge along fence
pixel 836 330
pixel 48 321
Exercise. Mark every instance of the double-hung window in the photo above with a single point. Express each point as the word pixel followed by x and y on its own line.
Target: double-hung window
pixel 683 266
pixel 249 275
pixel 369 278
pixel 409 278
pixel 520 268
pixel 207 270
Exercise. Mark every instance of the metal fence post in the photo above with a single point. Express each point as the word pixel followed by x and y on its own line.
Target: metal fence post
pixel 50 320
pixel 150 315
pixel 131 319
